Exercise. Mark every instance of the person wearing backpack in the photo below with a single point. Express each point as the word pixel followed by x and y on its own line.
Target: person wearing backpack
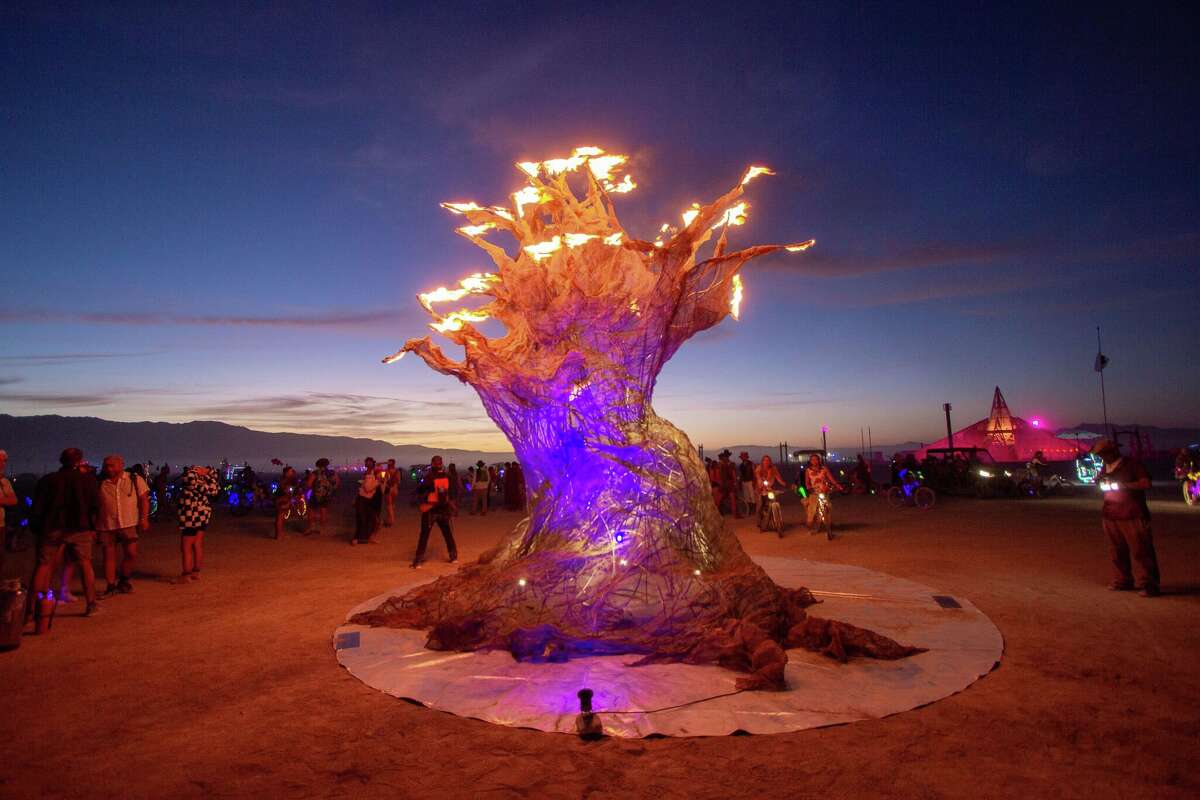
pixel 321 484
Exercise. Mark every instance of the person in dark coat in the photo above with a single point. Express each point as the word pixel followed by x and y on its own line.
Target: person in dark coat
pixel 65 504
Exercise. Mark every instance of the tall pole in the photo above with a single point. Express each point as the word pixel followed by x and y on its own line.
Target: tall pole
pixel 1100 368
pixel 824 446
pixel 949 430
pixel 870 445
pixel 862 442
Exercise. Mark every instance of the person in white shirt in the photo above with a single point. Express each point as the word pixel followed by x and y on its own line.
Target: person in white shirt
pixel 367 504
pixel 124 512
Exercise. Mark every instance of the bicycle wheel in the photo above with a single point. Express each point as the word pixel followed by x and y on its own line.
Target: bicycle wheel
pixel 924 497
pixel 777 519
pixel 895 497
pixel 301 507
pixel 1189 491
pixel 827 521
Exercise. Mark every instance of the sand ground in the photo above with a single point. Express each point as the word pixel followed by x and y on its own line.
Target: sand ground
pixel 229 687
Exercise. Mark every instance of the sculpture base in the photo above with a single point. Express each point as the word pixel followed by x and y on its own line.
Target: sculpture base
pixel 689 700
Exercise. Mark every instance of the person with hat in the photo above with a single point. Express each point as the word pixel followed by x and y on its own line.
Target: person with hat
pixel 479 489
pixel 746 478
pixel 727 483
pixel 1126 520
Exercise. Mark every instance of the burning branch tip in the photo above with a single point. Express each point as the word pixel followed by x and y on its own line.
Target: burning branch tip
pixel 800 247
pixel 396 356
pixel 754 172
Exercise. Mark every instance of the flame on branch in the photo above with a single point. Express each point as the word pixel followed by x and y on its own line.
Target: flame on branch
pixel 573 255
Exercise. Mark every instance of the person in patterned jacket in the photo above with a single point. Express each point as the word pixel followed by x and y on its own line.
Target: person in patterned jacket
pixel 198 486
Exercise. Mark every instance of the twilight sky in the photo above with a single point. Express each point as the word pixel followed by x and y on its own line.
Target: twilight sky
pixel 225 213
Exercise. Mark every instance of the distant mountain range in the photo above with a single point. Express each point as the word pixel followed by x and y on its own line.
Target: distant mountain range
pixel 33 444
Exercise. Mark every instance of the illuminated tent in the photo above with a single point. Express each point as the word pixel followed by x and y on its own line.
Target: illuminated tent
pixel 1009 438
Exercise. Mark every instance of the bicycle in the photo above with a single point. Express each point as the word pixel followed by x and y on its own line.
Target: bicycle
pixel 911 492
pixel 824 516
pixel 770 514
pixel 297 504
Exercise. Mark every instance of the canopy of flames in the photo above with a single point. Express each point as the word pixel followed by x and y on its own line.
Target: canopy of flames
pixel 564 235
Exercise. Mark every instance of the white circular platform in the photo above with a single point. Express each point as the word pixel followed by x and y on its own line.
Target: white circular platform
pixel 682 699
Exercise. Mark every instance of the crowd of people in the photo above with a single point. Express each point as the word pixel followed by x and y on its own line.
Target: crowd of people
pixel 743 489
pixel 76 508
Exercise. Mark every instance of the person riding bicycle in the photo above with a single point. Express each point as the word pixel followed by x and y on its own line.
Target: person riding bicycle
pixel 287 487
pixel 817 480
pixel 766 477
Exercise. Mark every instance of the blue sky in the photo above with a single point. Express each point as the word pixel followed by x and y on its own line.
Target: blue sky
pixel 225 213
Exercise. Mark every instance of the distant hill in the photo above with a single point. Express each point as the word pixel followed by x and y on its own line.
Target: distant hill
pixel 33 444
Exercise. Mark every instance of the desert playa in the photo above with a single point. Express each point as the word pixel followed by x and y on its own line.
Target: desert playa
pixel 229 687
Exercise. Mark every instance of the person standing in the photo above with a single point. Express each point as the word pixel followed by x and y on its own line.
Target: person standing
pixel 727 481
pixel 1126 521
pixel 197 487
pixel 162 480
pixel 367 504
pixel 510 486
pixel 64 518
pixel 322 484
pixel 455 484
pixel 391 490
pixel 284 493
pixel 746 480
pixel 480 489
pixel 124 512
pixel 8 499
pixel 522 498
pixel 436 507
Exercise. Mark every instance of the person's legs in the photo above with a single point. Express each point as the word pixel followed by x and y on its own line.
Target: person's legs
pixel 1141 552
pixel 448 534
pixel 197 553
pixel 316 519
pixel 810 509
pixel 1118 552
pixel 79 551
pixel 41 603
pixel 49 555
pixel 362 518
pixel 129 553
pixel 186 552
pixel 108 548
pixel 63 568
pixel 423 539
pixel 279 520
pixel 375 521
pixel 389 509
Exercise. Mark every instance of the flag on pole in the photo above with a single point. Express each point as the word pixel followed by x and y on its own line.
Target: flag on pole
pixel 1101 362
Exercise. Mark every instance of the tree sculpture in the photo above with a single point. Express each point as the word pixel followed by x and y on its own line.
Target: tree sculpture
pixel 624 550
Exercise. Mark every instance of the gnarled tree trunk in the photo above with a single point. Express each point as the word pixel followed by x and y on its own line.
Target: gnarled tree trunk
pixel 624 550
